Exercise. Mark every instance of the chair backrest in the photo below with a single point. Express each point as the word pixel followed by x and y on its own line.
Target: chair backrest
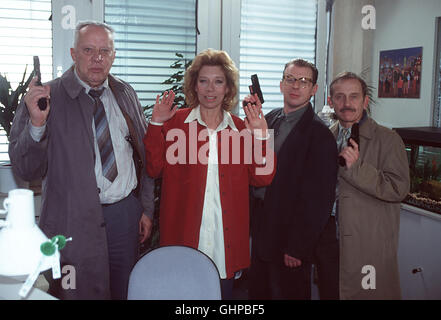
pixel 174 273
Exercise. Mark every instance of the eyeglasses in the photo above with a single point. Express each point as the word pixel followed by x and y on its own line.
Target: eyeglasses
pixel 303 82
pixel 104 52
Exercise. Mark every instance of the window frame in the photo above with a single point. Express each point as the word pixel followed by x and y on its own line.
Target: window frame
pixel 436 120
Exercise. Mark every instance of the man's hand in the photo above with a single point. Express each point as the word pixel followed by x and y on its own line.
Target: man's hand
pixel 291 262
pixel 145 228
pixel 163 109
pixel 38 117
pixel 350 153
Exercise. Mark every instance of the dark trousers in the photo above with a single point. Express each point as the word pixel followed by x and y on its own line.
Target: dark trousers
pixel 227 288
pixel 122 228
pixel 326 260
pixel 273 280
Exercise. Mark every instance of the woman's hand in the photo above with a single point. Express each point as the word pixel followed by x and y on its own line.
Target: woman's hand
pixel 163 110
pixel 255 120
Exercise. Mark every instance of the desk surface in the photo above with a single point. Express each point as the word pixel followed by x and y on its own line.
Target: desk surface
pixel 9 288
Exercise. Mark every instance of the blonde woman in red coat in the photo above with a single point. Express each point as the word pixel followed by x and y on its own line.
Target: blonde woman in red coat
pixel 207 158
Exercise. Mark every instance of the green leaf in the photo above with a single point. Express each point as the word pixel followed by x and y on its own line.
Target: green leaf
pixel 10 99
pixel 175 81
pixel 4 91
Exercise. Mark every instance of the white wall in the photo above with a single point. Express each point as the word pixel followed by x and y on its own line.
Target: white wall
pixel 405 24
pixel 420 235
pixel 209 25
pixel 65 16
pixel 351 45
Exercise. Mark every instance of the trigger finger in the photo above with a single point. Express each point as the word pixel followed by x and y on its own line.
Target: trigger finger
pixel 33 81
pixel 253 111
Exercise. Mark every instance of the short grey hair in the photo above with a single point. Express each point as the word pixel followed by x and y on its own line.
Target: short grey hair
pixel 83 24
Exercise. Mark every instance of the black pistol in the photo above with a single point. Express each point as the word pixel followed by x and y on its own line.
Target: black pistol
pixel 42 102
pixel 255 88
pixel 355 135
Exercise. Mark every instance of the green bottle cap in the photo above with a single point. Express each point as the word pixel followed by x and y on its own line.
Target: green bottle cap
pixel 60 240
pixel 47 248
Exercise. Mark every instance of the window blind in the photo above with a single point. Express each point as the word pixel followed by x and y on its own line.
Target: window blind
pixel 149 33
pixel 25 31
pixel 273 33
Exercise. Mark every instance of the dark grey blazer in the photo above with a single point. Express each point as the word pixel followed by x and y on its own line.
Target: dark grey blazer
pixel 299 201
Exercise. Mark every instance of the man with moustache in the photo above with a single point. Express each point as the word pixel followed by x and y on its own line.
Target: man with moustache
pixel 87 146
pixel 292 226
pixel 371 185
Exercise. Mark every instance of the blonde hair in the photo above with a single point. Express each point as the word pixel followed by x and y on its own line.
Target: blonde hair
pixel 210 57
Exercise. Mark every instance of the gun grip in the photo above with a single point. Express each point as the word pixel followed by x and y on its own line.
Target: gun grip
pixel 42 104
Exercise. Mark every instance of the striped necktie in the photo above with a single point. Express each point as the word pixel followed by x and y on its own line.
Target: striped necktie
pixel 342 140
pixel 103 137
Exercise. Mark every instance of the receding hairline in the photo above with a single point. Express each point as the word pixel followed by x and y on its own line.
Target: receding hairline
pixel 83 24
pixel 347 76
pixel 302 63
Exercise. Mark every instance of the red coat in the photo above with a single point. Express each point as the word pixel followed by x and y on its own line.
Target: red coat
pixel 183 187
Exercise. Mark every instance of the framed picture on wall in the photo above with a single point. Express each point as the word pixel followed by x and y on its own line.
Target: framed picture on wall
pixel 400 73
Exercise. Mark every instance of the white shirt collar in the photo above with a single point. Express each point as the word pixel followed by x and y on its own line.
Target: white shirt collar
pixel 227 120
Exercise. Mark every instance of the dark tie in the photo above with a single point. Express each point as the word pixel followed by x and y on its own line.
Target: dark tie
pixel 103 138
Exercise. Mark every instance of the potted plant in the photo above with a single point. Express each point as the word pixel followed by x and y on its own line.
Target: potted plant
pixel 176 84
pixel 9 100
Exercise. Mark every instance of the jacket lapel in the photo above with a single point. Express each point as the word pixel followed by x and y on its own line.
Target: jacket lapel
pixel 367 129
pixel 75 90
pixel 123 100
pixel 334 129
pixel 121 96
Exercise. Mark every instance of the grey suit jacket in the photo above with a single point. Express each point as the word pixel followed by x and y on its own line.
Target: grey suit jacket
pixel 65 158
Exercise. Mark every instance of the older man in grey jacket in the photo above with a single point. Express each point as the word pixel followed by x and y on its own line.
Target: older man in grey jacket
pixel 372 181
pixel 87 146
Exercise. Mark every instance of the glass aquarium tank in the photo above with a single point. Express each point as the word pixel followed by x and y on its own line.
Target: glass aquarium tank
pixel 423 147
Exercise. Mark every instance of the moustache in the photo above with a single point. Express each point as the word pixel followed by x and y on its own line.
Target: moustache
pixel 347 109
